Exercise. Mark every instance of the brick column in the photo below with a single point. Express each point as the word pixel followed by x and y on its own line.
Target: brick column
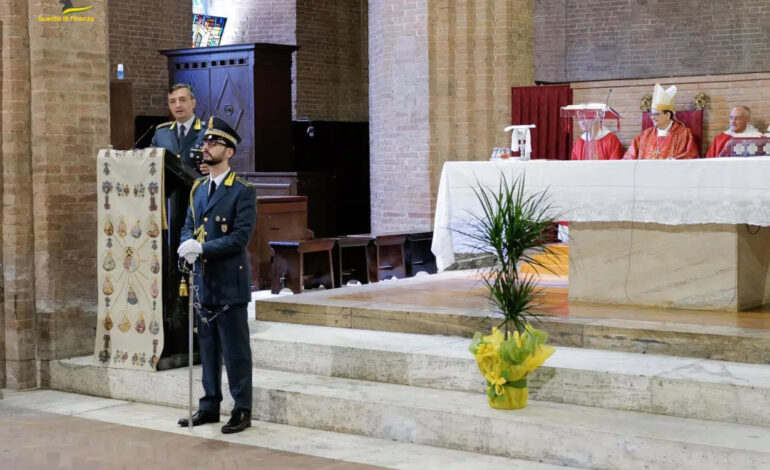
pixel 440 75
pixel 70 123
pixel 18 246
pixel 2 281
pixel 399 115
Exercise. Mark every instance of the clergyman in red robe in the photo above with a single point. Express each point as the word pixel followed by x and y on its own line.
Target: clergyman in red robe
pixel 668 138
pixel 608 146
pixel 739 127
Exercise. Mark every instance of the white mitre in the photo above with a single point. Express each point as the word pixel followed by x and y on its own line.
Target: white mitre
pixel 663 100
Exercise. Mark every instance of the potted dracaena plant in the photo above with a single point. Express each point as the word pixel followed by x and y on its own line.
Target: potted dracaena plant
pixel 510 227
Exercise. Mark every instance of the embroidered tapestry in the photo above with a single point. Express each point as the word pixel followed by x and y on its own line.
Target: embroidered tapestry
pixel 129 329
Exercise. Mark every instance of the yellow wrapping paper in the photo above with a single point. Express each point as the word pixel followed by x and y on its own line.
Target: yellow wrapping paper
pixel 506 362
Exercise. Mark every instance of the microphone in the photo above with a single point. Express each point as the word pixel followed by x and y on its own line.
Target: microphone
pixel 144 135
pixel 607 101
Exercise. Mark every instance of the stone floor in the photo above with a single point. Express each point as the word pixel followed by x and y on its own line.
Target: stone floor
pixel 60 439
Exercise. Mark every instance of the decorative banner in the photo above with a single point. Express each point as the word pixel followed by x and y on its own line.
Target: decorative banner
pixel 129 329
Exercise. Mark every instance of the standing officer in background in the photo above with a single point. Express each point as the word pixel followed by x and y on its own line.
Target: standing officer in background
pixel 219 223
pixel 185 132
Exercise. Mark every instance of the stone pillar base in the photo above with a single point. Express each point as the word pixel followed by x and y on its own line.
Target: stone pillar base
pixel 708 266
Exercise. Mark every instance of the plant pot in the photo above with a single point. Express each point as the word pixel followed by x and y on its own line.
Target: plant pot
pixel 514 397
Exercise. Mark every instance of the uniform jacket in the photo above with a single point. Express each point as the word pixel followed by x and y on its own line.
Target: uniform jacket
pixel 223 224
pixel 166 137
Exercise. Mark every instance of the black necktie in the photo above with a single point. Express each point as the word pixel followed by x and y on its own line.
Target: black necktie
pixel 213 188
pixel 181 132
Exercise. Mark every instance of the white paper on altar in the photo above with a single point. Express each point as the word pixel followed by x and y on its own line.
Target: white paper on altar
pixel 129 329
pixel 670 192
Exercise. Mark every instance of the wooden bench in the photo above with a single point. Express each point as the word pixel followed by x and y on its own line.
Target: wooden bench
pixel 350 260
pixel 302 264
pixel 418 254
pixel 385 256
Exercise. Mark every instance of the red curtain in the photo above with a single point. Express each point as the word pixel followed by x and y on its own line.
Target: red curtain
pixel 692 119
pixel 540 105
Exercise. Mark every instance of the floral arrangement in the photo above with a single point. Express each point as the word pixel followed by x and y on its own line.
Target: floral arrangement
pixel 505 363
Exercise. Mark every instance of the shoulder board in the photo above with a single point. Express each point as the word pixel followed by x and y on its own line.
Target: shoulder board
pixel 243 182
pixel 230 178
pixel 198 183
pixel 165 124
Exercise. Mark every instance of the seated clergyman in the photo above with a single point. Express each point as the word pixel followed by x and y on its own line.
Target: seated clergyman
pixel 740 116
pixel 668 138
pixel 608 146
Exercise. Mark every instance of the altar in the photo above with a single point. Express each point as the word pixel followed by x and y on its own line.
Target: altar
pixel 670 233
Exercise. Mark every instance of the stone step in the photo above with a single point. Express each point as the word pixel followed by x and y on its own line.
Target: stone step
pixel 279 437
pixel 555 433
pixel 338 308
pixel 685 387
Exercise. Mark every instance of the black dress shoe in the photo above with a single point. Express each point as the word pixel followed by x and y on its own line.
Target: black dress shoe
pixel 201 417
pixel 240 420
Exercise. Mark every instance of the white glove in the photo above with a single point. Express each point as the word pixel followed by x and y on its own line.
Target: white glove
pixel 189 250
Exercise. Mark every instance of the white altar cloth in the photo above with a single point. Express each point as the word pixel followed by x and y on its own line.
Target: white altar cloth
pixel 670 192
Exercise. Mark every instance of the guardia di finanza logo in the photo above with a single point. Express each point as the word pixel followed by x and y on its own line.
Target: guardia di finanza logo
pixel 68 9
pixel 68 14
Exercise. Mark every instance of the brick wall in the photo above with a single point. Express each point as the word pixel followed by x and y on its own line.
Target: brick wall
pixel 479 50
pixel 440 76
pixel 18 258
pixel 272 21
pixel 138 29
pixel 70 121
pixel 329 72
pixel 399 115
pixel 725 92
pixel 332 62
pixel 611 39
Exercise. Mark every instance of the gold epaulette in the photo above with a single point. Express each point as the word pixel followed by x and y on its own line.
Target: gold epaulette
pixel 164 124
pixel 243 182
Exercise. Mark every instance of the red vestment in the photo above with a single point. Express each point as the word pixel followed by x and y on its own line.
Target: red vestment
pixel 607 148
pixel 718 145
pixel 678 143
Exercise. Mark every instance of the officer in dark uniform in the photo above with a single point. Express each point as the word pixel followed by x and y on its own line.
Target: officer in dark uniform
pixel 185 132
pixel 219 223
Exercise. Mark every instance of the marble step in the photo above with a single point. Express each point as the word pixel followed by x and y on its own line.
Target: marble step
pixel 279 437
pixel 338 308
pixel 691 388
pixel 554 433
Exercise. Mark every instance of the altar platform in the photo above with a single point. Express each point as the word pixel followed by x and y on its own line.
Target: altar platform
pixel 455 303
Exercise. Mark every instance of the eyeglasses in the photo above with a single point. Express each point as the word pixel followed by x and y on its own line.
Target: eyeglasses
pixel 654 115
pixel 213 143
